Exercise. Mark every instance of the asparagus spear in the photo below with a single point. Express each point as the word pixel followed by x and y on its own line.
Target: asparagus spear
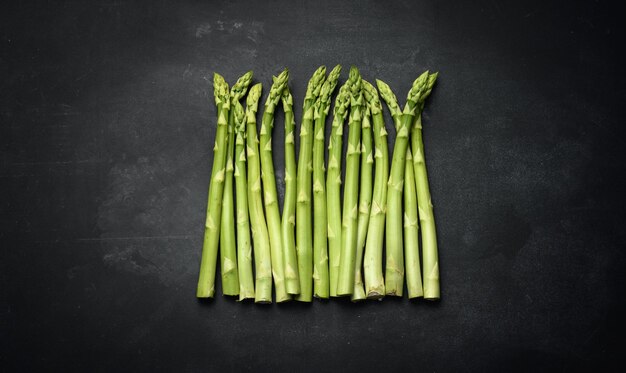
pixel 206 278
pixel 365 201
pixel 411 229
pixel 228 253
pixel 345 286
pixel 411 242
pixel 269 186
pixel 425 207
pixel 288 222
pixel 303 206
pixel 333 185
pixel 394 276
pixel 320 247
pixel 260 235
pixel 372 263
pixel 244 246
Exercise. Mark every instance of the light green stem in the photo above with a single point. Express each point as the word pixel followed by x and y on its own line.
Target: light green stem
pixel 269 186
pixel 244 244
pixel 228 253
pixel 394 270
pixel 333 186
pixel 411 243
pixel 260 235
pixel 288 221
pixel 271 205
pixel 427 221
pixel 411 229
pixel 365 202
pixel 206 281
pixel 206 278
pixel 320 223
pixel 304 238
pixel 372 266
pixel 304 226
pixel 345 286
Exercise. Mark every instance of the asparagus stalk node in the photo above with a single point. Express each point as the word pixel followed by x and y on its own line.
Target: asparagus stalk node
pixel 333 185
pixel 260 235
pixel 345 286
pixel 206 278
pixel 304 239
pixel 288 222
pixel 425 207
pixel 373 257
pixel 269 186
pixel 320 222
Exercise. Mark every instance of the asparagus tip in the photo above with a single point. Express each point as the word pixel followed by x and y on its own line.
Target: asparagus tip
pixel 389 97
pixel 342 101
pixel 220 88
pixel 334 73
pixel 429 86
pixel 315 83
pixel 354 81
pixel 239 89
pixel 253 97
pixel 328 87
pixel 371 96
pixel 418 87
pixel 278 86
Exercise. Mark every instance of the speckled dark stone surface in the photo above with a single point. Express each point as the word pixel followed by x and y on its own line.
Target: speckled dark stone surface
pixel 106 130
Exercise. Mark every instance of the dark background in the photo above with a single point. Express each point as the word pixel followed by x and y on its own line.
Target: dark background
pixel 107 125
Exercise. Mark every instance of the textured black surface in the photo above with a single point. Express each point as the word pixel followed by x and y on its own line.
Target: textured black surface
pixel 107 125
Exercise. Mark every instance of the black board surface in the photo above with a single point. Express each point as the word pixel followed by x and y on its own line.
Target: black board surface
pixel 106 130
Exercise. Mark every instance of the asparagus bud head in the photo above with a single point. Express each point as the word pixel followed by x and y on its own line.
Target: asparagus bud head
pixel 415 93
pixel 241 86
pixel 220 89
pixel 390 98
pixel 342 102
pixel 276 91
pixel 371 96
pixel 315 83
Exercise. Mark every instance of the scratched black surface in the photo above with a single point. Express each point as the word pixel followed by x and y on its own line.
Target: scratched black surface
pixel 105 144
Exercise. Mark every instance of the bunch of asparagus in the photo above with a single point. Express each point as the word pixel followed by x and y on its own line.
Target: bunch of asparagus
pixel 321 246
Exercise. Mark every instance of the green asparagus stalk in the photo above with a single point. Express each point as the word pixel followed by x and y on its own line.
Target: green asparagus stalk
pixel 411 242
pixel 345 286
pixel 288 222
pixel 206 278
pixel 427 221
pixel 228 251
pixel 373 257
pixel 244 244
pixel 269 186
pixel 320 243
pixel 394 276
pixel 304 237
pixel 333 185
pixel 365 201
pixel 260 235
pixel 411 230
